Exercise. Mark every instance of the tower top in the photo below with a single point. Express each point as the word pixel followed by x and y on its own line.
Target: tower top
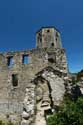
pixel 48 37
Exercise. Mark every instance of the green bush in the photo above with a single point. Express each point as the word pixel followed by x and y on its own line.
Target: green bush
pixel 3 122
pixel 0 122
pixel 10 123
pixel 69 113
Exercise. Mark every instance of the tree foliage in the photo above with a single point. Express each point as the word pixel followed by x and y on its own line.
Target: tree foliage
pixel 79 75
pixel 69 113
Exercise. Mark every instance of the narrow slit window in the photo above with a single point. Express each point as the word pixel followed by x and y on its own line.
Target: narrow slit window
pixel 25 59
pixel 14 80
pixel 52 44
pixel 10 61
pixel 56 34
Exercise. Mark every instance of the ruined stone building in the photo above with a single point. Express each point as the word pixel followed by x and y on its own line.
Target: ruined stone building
pixel 32 81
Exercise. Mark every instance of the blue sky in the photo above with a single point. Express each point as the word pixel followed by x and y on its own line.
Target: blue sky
pixel 20 19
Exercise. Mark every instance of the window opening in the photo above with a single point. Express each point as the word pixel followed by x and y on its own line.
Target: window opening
pixel 56 34
pixel 48 31
pixel 52 44
pixel 25 59
pixel 56 39
pixel 51 60
pixel 10 61
pixel 14 80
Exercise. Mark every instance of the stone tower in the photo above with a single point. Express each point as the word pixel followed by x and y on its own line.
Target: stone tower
pixel 33 79
pixel 48 37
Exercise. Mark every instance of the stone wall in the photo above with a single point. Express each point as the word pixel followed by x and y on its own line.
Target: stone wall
pixel 13 96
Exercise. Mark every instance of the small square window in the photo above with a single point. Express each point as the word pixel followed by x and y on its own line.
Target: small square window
pixel 25 59
pixel 51 57
pixel 48 31
pixel 10 61
pixel 14 80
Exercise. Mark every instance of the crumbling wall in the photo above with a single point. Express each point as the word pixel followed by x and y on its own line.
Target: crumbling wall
pixel 49 92
pixel 56 81
pixel 29 106
pixel 12 97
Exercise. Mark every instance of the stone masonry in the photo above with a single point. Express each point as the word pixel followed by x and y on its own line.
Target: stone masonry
pixel 32 82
